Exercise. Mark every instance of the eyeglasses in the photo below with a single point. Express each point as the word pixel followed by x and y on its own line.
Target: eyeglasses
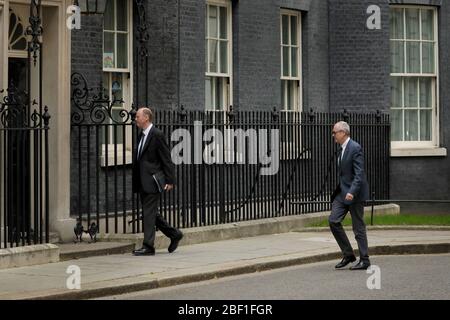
pixel 334 132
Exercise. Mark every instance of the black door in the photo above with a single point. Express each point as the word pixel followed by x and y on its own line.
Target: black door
pixel 18 158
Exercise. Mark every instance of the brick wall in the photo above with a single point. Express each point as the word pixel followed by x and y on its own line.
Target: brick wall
pixel 359 57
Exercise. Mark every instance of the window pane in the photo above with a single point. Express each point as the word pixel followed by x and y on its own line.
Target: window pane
pixel 425 125
pixel 208 94
pixel 117 87
pixel 397 56
pixel 20 44
pixel 290 96
pixel 427 25
pixel 412 24
pixel 413 57
pixel 294 57
pixel 411 94
pixel 294 94
pixel 286 61
pixel 12 21
pixel 122 15
pixel 213 55
pixel 207 55
pixel 283 93
pixel 294 30
pixel 220 86
pixel 396 125
pixel 396 18
pixel 425 93
pixel 411 126
pixel 396 92
pixel 285 28
pixel 106 82
pixel 223 23
pixel 122 50
pixel 108 50
pixel 223 56
pixel 427 57
pixel 108 19
pixel 212 21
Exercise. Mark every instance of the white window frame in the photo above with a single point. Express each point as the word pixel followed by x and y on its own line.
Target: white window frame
pixel 415 148
pixel 12 53
pixel 299 92
pixel 115 32
pixel 127 97
pixel 291 150
pixel 228 88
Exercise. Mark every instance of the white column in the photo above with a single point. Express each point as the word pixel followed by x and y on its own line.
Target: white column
pixel 56 93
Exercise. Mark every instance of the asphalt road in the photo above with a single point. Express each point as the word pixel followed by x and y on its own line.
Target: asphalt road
pixel 401 277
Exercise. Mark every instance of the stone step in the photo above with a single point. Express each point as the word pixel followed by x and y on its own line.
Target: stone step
pixel 71 251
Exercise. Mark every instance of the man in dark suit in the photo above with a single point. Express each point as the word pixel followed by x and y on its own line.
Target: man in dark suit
pixel 351 191
pixel 152 159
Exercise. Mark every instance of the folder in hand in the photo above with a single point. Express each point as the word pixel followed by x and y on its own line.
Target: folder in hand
pixel 160 180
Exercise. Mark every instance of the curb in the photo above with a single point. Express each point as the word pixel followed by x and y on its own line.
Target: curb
pixel 121 249
pixel 388 228
pixel 430 248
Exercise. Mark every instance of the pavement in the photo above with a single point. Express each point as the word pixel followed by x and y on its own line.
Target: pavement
pixel 123 273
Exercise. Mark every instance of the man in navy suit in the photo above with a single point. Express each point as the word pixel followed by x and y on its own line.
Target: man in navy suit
pixel 351 191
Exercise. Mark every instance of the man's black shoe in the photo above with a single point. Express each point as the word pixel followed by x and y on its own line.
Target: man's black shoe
pixel 361 265
pixel 345 261
pixel 174 242
pixel 144 251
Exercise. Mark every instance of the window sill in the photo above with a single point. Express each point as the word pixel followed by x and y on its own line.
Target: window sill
pixel 419 152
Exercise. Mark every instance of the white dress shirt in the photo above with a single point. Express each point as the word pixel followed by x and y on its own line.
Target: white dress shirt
pixel 344 145
pixel 144 139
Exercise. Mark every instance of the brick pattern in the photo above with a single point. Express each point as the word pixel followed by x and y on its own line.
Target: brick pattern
pixel 345 65
pixel 359 57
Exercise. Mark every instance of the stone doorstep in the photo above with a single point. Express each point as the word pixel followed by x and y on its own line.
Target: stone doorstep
pixel 73 251
pixel 28 255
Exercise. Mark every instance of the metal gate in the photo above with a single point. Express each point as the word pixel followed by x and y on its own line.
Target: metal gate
pixel 24 147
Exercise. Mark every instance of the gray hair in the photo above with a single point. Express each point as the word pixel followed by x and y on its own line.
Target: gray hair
pixel 147 112
pixel 342 125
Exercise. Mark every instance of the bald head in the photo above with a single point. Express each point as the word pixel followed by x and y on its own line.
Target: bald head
pixel 144 116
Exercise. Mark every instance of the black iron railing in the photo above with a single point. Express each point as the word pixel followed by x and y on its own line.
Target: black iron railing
pixel 24 167
pixel 235 189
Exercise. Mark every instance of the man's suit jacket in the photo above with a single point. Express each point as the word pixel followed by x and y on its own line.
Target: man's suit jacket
pixel 155 157
pixel 352 177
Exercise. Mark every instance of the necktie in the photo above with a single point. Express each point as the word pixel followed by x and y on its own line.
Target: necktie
pixel 340 154
pixel 339 164
pixel 141 145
